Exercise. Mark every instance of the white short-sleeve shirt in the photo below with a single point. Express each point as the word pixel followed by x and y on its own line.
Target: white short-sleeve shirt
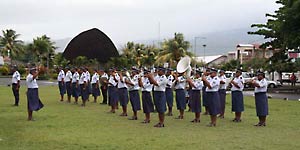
pixel 95 78
pixel 180 84
pixel 263 86
pixel 30 82
pixel 82 78
pixel 61 75
pixel 16 77
pixel 68 76
pixel 88 76
pixel 75 77
pixel 162 83
pixel 135 81
pixel 198 84
pixel 214 83
pixel 122 82
pixel 222 78
pixel 170 81
pixel 240 82
pixel 147 86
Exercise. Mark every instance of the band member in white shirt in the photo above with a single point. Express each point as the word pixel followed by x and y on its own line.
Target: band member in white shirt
pixel 61 83
pixel 213 99
pixel 67 80
pixel 222 92
pixel 33 101
pixel 134 95
pixel 75 85
pixel 95 85
pixel 104 83
pixel 113 94
pixel 206 74
pixel 83 86
pixel 16 77
pixel 123 91
pixel 179 84
pixel 196 84
pixel 146 86
pixel 169 91
pixel 159 82
pixel 88 77
pixel 237 95
pixel 261 99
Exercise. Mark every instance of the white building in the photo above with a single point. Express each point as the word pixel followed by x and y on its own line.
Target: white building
pixel 212 60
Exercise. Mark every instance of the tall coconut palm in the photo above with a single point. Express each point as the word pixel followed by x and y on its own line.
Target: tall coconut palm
pixel 9 43
pixel 173 49
pixel 43 48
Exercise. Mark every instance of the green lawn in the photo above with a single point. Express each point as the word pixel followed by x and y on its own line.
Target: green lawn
pixel 68 126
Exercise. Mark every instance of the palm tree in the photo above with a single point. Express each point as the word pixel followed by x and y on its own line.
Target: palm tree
pixel 173 50
pixel 9 43
pixel 43 49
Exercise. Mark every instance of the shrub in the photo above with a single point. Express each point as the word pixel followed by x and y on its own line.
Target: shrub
pixel 4 70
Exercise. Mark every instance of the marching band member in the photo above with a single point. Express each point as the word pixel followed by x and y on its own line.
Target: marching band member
pixel 67 80
pixel 212 95
pixel 204 99
pixel 261 99
pixel 160 82
pixel 237 95
pixel 169 91
pixel 134 95
pixel 195 95
pixel 75 85
pixel 95 85
pixel 179 83
pixel 222 92
pixel 16 77
pixel 123 91
pixel 104 84
pixel 61 83
pixel 88 77
pixel 83 82
pixel 146 86
pixel 33 101
pixel 113 90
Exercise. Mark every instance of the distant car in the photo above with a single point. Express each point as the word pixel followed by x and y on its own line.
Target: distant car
pixel 230 75
pixel 273 84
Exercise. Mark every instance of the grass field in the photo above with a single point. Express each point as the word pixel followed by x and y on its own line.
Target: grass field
pixel 60 125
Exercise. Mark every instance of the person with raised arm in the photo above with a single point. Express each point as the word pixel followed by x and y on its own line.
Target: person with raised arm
pixel 33 101
pixel 159 82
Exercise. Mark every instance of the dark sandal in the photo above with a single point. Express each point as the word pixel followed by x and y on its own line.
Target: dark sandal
pixel 146 121
pixel 179 117
pixel 159 125
pixel 132 118
pixel 195 121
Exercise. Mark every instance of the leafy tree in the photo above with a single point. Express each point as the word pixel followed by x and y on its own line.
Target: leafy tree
pixel 59 60
pixel 255 64
pixel 231 65
pixel 136 55
pixel 173 49
pixel 9 41
pixel 283 31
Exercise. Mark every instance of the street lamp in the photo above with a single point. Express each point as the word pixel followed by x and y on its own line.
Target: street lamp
pixel 195 46
pixel 204 45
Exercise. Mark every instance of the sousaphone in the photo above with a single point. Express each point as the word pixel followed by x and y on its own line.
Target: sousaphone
pixel 184 65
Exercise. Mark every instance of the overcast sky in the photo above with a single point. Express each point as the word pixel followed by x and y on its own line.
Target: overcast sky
pixel 130 20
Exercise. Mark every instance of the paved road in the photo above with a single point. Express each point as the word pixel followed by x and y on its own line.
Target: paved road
pixel 282 96
pixel 7 81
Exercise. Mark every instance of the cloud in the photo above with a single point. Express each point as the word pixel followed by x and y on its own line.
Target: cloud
pixel 127 20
